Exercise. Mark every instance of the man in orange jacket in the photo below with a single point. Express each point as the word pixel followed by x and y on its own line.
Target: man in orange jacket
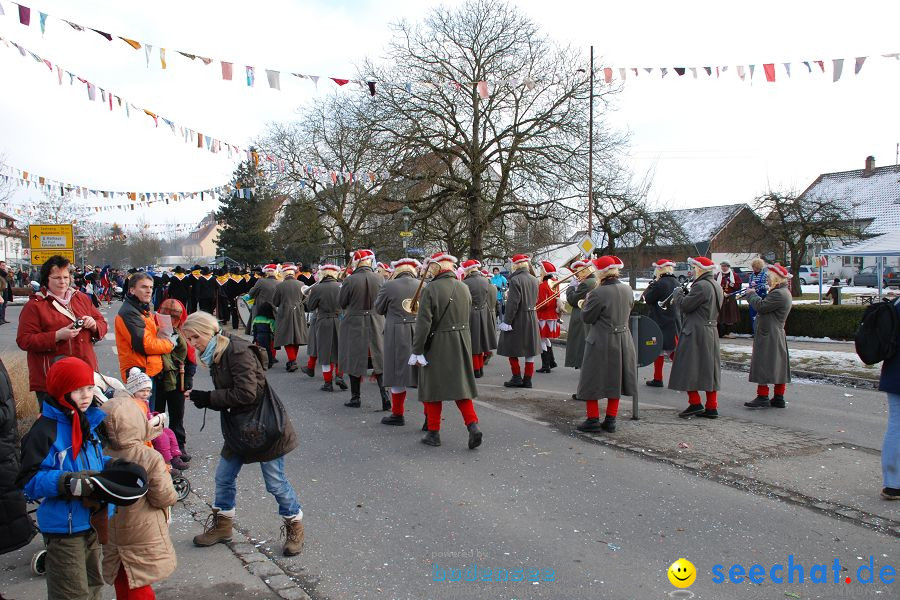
pixel 137 339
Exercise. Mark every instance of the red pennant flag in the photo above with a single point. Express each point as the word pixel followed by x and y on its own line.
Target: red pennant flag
pixel 340 81
pixel 227 70
pixel 769 68
pixel 821 64
pixel 24 15
pixel 607 75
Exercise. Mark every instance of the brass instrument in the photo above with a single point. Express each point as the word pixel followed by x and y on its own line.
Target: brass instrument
pixel 411 305
pixel 557 293
pixel 667 303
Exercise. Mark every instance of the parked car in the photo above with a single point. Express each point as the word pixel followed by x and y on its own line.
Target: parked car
pixel 868 277
pixel 808 275
pixel 683 271
pixel 742 273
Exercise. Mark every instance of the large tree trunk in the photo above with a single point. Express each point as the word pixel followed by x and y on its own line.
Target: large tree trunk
pixel 476 226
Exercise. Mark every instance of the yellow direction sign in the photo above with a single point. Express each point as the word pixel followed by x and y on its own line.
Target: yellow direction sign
pixel 406 234
pixel 39 257
pixel 586 245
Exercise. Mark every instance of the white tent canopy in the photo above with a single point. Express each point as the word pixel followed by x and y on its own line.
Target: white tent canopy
pixel 886 244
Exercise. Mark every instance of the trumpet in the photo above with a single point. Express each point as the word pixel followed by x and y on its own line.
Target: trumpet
pixel 740 293
pixel 411 305
pixel 667 303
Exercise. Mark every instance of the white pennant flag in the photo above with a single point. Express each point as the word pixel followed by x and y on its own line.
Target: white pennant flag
pixel 838 68
pixel 147 49
pixel 274 78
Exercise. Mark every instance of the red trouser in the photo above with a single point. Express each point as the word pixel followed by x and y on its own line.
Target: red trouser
pixel 124 593
pixel 291 350
pixel 477 361
pixel 433 413
pixel 593 408
pixel 517 369
pixel 763 390
pixel 712 399
pixel 397 400
pixel 311 363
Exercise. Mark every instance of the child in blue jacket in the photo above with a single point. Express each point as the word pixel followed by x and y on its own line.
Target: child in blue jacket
pixel 59 454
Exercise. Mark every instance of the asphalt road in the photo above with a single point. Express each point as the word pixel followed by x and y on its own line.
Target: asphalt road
pixel 385 515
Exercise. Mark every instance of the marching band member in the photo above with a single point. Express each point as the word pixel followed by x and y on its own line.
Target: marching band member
pixel 494 304
pixel 399 326
pixel 769 362
pixel 482 328
pixel 662 286
pixel 696 365
pixel 581 285
pixel 383 270
pixel 323 300
pixel 608 368
pixel 441 348
pixel 362 329
pixel 519 330
pixel 290 320
pixel 548 317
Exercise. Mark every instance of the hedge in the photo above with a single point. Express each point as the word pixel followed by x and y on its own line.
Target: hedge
pixel 809 320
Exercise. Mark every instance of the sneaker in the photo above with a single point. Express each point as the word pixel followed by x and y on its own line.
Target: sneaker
pixel 758 402
pixel 655 383
pixel 691 411
pixel 890 493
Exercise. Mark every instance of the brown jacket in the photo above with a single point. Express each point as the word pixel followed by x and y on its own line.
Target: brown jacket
pixel 240 380
pixel 138 534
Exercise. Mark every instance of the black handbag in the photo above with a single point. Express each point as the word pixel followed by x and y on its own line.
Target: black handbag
pixel 255 431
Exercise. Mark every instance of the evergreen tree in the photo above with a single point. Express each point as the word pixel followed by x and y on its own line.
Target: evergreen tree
pixel 243 235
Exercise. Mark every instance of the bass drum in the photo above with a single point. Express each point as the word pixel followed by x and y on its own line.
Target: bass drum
pixel 244 311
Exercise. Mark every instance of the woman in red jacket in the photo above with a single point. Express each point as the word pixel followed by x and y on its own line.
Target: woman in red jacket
pixel 548 316
pixel 57 321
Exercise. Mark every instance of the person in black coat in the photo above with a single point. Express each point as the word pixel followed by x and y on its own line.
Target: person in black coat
pixel 16 527
pixel 662 286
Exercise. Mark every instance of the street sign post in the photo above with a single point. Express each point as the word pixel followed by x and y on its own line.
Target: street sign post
pixel 586 245
pixel 50 240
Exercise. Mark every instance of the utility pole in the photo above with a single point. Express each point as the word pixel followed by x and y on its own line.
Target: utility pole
pixel 590 204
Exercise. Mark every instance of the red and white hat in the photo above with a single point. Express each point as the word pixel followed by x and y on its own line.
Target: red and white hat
pixel 604 264
pixel 618 262
pixel 779 270
pixel 548 267
pixel 406 262
pixel 363 255
pixel 285 267
pixel 578 264
pixel 441 256
pixel 270 267
pixel 381 265
pixel 329 267
pixel 664 262
pixel 485 273
pixel 471 264
pixel 701 262
pixel 518 258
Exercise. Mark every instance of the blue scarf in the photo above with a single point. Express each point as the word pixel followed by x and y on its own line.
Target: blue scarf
pixel 207 356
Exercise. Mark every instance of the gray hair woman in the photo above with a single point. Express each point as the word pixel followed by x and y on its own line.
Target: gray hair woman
pixel 239 379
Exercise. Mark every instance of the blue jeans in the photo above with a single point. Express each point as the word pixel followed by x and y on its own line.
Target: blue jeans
pixel 273 475
pixel 890 449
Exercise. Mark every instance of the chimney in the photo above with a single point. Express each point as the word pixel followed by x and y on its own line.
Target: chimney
pixel 870 166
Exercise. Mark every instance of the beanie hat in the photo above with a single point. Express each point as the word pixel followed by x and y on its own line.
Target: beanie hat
pixel 64 376
pixel 137 381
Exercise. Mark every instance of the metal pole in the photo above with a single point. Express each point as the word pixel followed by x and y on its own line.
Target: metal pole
pixel 820 280
pixel 635 320
pixel 590 221
pixel 880 261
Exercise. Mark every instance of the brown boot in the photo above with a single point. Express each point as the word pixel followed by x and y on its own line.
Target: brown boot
pixel 293 534
pixel 217 529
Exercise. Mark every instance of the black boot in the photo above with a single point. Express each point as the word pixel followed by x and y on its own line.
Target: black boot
pixel 526 382
pixel 655 383
pixel 479 373
pixel 545 368
pixel 474 436
pixel 385 397
pixel 516 381
pixel 550 358
pixel 590 426
pixel 308 371
pixel 327 387
pixel 777 401
pixel 340 382
pixel 393 420
pixel 354 393
pixel 691 410
pixel 759 402
pixel 291 366
pixel 432 438
pixel 609 424
pixel 425 425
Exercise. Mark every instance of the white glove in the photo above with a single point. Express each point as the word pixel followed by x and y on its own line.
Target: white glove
pixel 417 359
pixel 161 420
pixel 505 327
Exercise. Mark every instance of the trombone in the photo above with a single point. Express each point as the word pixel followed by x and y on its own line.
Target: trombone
pixel 554 284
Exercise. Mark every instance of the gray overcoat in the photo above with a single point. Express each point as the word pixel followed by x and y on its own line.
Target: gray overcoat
pixel 609 367
pixel 323 299
pixel 444 308
pixel 399 326
pixel 770 362
pixel 525 337
pixel 576 333
pixel 482 319
pixel 696 365
pixel 362 330
pixel 290 319
pixel 262 291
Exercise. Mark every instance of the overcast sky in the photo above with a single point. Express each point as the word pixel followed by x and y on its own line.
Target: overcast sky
pixel 708 141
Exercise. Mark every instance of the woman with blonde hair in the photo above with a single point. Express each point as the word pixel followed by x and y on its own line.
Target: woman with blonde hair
pixel 757 281
pixel 239 378
pixel 770 362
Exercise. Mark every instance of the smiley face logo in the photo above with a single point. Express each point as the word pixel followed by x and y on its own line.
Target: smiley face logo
pixel 682 573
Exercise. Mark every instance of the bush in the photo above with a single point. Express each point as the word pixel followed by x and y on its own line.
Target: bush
pixel 806 320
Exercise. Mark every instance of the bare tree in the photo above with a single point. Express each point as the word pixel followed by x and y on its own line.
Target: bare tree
pixel 6 185
pixel 796 221
pixel 494 123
